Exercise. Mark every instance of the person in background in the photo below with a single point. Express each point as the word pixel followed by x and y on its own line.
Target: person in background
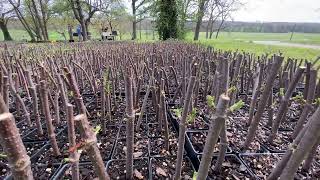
pixel 70 33
pixel 79 32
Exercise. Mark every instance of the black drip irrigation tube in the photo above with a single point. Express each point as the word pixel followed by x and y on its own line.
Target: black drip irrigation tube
pixel 187 146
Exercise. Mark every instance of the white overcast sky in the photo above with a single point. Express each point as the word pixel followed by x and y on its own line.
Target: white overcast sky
pixel 276 11
pixel 279 11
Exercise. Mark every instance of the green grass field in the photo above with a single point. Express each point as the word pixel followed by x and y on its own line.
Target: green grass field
pixel 244 41
pixel 226 41
pixel 304 38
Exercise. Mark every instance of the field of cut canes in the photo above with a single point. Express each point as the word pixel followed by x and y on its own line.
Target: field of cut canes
pixel 164 110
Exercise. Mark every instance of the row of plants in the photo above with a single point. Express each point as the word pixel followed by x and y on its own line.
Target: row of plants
pixel 156 111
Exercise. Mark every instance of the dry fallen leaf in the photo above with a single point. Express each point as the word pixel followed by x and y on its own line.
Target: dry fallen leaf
pixel 125 149
pixel 242 168
pixel 259 166
pixel 161 172
pixel 137 174
pixel 229 134
pixel 226 164
pixel 137 154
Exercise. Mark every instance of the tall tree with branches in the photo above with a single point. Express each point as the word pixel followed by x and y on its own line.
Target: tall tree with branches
pixel 200 14
pixel 6 12
pixel 16 5
pixel 185 12
pixel 84 10
pixel 139 10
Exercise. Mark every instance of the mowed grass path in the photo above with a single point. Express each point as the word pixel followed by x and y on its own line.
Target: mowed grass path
pixel 227 41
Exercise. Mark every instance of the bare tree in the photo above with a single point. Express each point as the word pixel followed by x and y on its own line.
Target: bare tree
pixel 84 10
pixel 200 14
pixel 16 5
pixel 222 9
pixel 6 12
pixel 113 14
pixel 226 8
pixel 186 9
pixel 213 12
pixel 38 10
pixel 139 9
pixel 34 15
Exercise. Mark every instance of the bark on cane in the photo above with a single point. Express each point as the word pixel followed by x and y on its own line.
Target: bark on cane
pixel 74 87
pixel 276 172
pixel 270 109
pixel 103 106
pixel 57 108
pixel 235 78
pixel 183 83
pixel 113 88
pixel 166 83
pixel 177 92
pixel 306 88
pixel 20 71
pixel 144 105
pixel 20 101
pixel 207 81
pixel 279 167
pixel 16 84
pixel 74 156
pixel 12 145
pixel 222 149
pixel 308 106
pixel 1 82
pixel 163 115
pixel 218 119
pixel 223 77
pixel 47 114
pixel 134 91
pixel 308 162
pixel 5 90
pixel 318 90
pixel 263 101
pixel 3 107
pixel 196 88
pixel 223 135
pixel 90 146
pixel 284 104
pixel 33 93
pixel 64 97
pixel 285 81
pixel 308 140
pixel 182 125
pixel 174 74
pixel 130 126
pixel 108 106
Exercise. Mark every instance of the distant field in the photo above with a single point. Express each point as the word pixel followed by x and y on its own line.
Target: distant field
pixel 20 35
pixel 244 41
pixel 226 41
pixel 304 38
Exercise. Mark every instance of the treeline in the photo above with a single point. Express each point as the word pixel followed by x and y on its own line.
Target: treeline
pixel 267 27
